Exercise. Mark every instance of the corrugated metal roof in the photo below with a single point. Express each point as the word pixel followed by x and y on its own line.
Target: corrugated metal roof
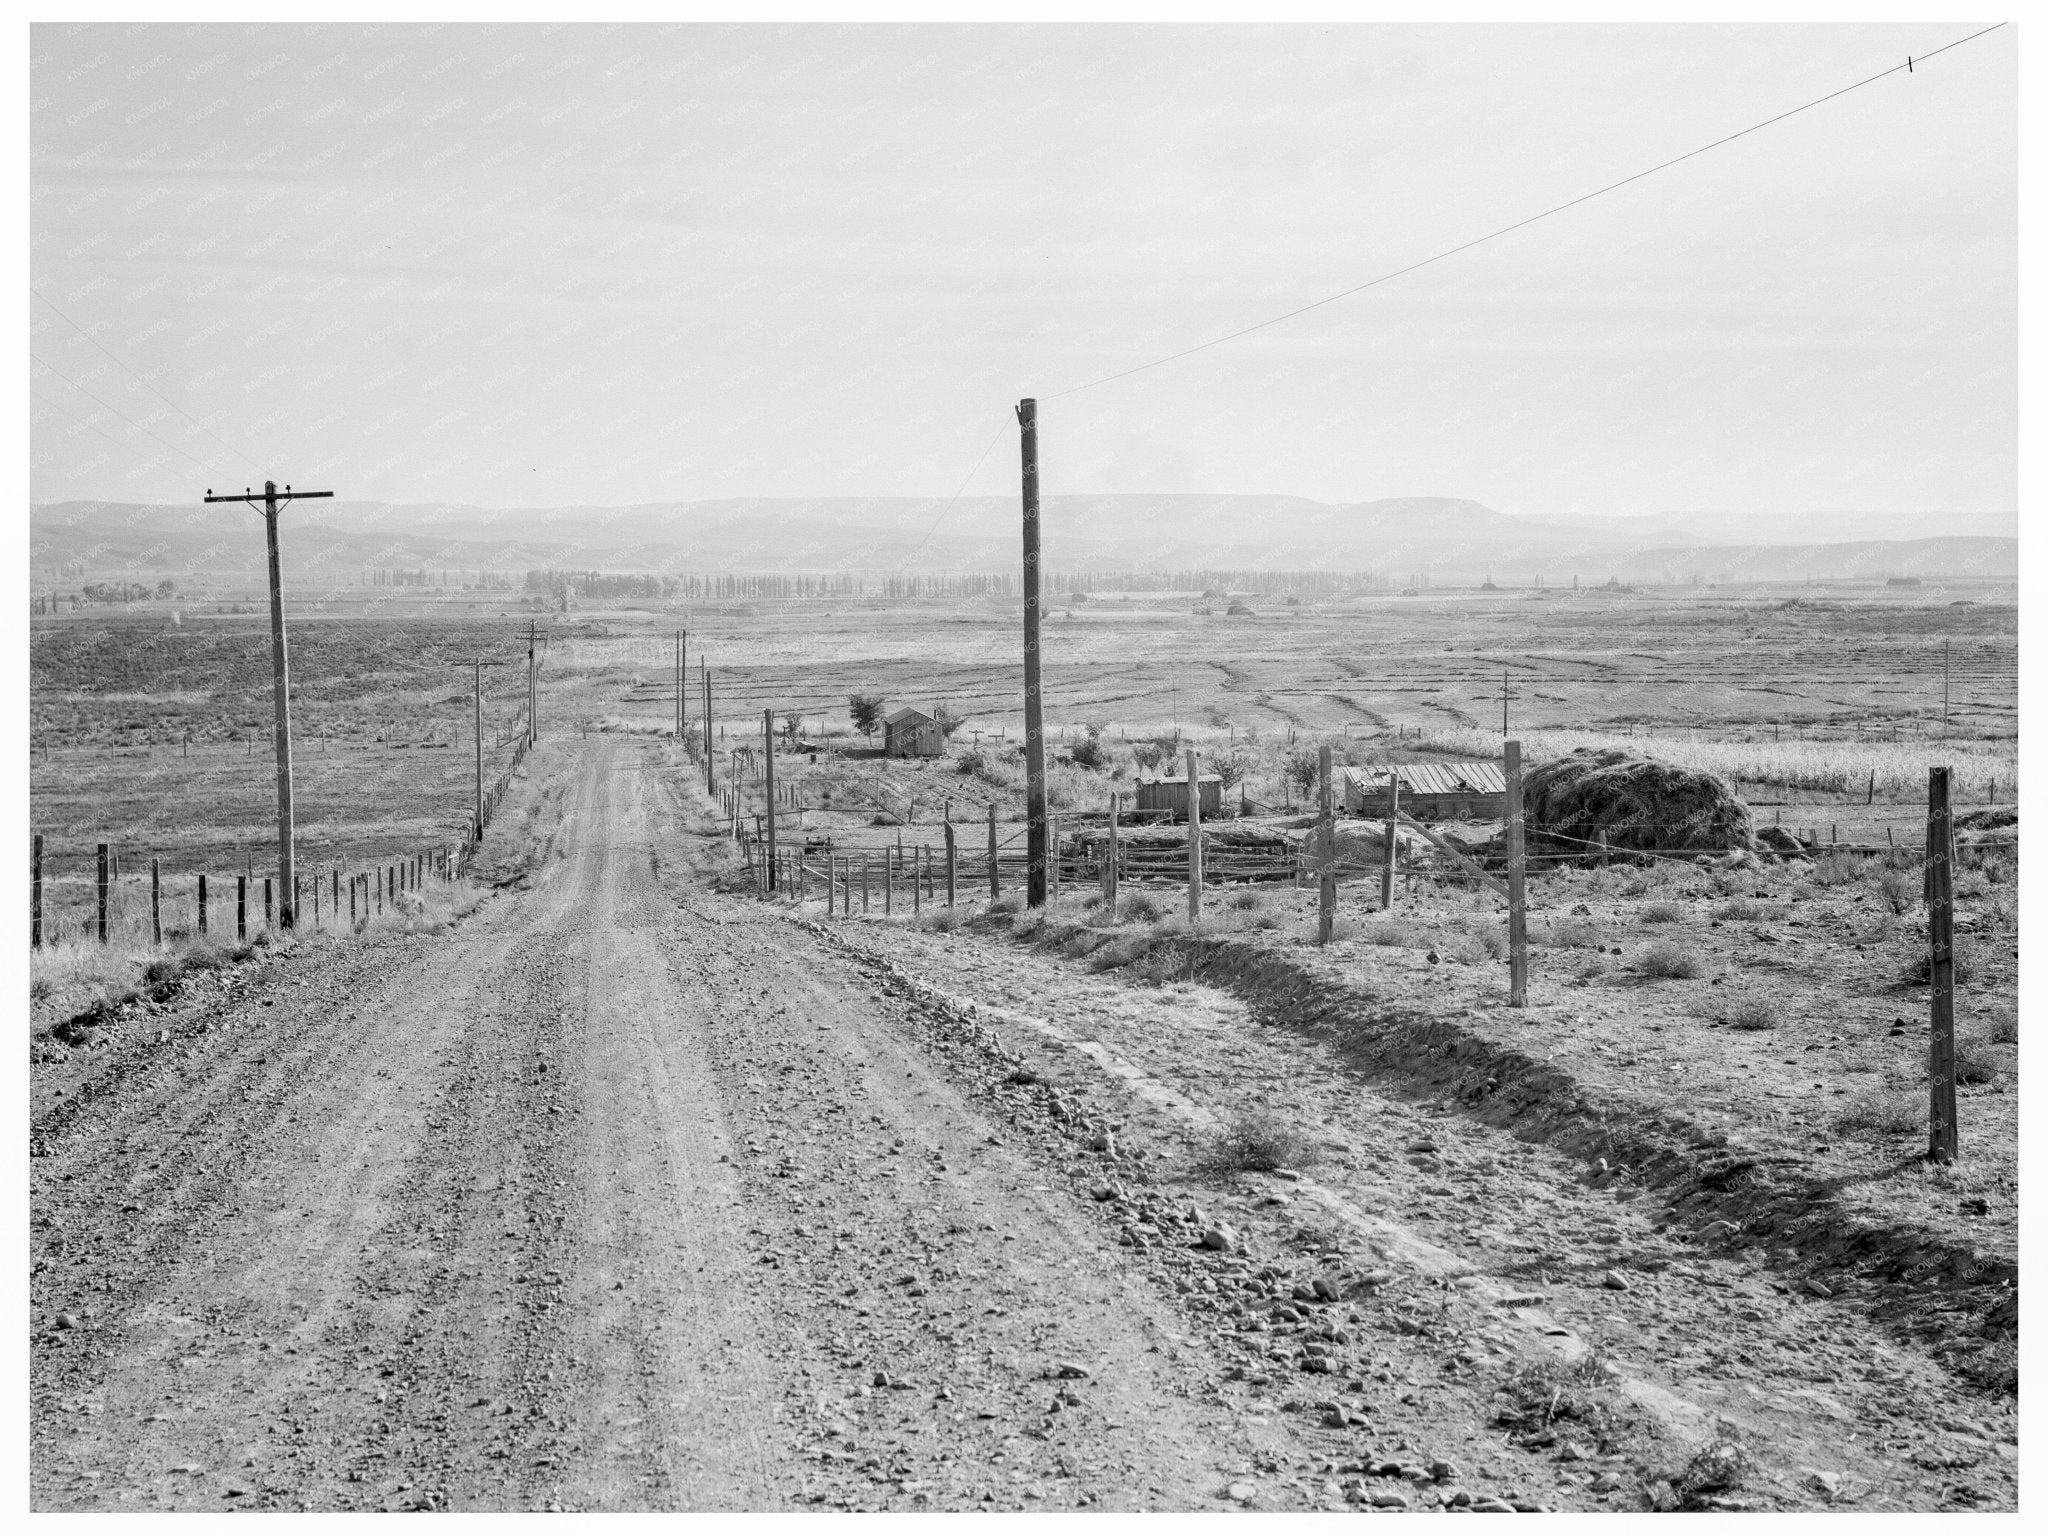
pixel 1434 778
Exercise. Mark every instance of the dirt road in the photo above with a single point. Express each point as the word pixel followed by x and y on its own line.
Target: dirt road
pixel 624 1194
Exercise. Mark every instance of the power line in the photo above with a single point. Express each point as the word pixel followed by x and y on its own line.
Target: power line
pixel 1524 223
pixel 126 447
pixel 103 405
pixel 947 509
pixel 145 383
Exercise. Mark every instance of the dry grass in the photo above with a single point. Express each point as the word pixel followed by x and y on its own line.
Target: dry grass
pixel 1742 911
pixel 1885 1112
pixel 1663 911
pixel 1669 962
pixel 1258 1143
pixel 1754 1014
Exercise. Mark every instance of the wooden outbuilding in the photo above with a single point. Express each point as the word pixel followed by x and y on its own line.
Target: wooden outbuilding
pixel 1431 791
pixel 912 733
pixel 1169 796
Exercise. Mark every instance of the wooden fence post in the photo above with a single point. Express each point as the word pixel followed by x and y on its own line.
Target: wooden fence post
pixel 952 861
pixel 241 908
pixel 995 878
pixel 1942 1136
pixel 156 908
pixel 351 902
pixel 916 887
pixel 866 884
pixel 1326 831
pixel 267 918
pixel 1390 855
pixel 1195 836
pixel 35 891
pixel 888 880
pixel 1052 858
pixel 1518 914
pixel 1111 871
pixel 202 906
pixel 103 893
pixel 316 900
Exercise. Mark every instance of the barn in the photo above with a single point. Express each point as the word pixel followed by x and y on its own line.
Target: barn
pixel 1431 791
pixel 1169 796
pixel 912 733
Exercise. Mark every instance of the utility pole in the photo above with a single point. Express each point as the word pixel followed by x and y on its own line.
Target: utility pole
pixel 1503 703
pixel 532 687
pixel 280 671
pixel 476 696
pixel 710 782
pixel 683 666
pixel 1944 689
pixel 768 784
pixel 1034 713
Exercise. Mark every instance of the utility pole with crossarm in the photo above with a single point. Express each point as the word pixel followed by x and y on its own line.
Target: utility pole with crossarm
pixel 280 671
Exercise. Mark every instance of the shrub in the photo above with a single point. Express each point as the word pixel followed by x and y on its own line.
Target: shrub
pixel 1754 1014
pixel 1572 933
pixel 1121 951
pixel 1669 962
pixel 1257 1142
pixel 1885 1111
pixel 1900 889
pixel 1141 907
pixel 1838 869
pixel 1246 900
pixel 1977 1059
pixel 1721 1467
pixel 1741 911
pixel 1919 970
pixel 1663 911
pixel 1492 942
pixel 1590 968
pixel 1088 752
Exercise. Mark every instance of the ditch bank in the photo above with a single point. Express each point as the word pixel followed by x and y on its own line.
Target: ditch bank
pixel 1719 1190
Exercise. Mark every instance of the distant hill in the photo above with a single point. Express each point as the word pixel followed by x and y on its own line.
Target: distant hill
pixel 1444 537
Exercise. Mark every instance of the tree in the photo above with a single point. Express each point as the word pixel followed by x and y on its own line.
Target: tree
pixel 1230 770
pixel 948 721
pixel 1303 770
pixel 865 709
pixel 793 724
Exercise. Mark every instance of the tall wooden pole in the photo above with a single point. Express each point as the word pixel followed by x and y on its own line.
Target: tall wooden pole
pixel 1518 913
pixel 1503 702
pixel 1326 828
pixel 281 709
pixel 1942 1135
pixel 477 700
pixel 1390 854
pixel 532 692
pixel 995 877
pixel 768 784
pixel 1034 715
pixel 679 687
pixel 35 891
pixel 1194 837
pixel 1110 873
pixel 103 893
pixel 710 773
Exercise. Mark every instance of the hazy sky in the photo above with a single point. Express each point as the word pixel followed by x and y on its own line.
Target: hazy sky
pixel 524 266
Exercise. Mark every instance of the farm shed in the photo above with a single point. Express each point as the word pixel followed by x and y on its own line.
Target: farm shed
pixel 1432 791
pixel 912 733
pixel 1170 795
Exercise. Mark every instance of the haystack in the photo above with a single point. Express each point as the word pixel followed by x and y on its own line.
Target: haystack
pixel 1639 802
